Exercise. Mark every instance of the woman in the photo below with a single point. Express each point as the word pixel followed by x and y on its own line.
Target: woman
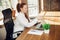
pixel 22 19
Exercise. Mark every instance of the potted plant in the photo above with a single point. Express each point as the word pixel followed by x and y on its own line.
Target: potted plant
pixel 46 28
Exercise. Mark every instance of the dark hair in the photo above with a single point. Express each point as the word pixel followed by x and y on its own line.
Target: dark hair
pixel 20 6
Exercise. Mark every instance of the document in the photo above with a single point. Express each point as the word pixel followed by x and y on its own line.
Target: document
pixel 35 32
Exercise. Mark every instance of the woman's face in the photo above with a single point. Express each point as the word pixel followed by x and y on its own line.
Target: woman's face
pixel 24 9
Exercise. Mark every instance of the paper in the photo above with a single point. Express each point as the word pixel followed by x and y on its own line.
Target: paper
pixel 35 32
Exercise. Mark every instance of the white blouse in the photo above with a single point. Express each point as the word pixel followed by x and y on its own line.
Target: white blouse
pixel 22 22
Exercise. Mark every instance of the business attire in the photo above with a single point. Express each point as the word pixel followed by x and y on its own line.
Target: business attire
pixel 8 23
pixel 21 22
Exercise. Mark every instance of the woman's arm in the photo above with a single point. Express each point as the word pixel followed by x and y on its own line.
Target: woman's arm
pixel 22 21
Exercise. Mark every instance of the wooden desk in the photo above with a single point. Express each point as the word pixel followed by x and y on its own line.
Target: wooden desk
pixel 51 36
pixel 25 36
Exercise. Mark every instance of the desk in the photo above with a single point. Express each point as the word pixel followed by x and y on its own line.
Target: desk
pixel 50 36
pixel 25 36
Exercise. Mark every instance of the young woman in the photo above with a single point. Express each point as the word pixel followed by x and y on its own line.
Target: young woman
pixel 22 19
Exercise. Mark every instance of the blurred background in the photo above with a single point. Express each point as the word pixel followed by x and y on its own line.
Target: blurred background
pixel 49 10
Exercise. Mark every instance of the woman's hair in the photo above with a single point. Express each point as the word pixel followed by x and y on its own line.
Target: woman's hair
pixel 20 6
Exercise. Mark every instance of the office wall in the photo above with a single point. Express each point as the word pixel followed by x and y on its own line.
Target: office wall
pixel 51 11
pixel 52 5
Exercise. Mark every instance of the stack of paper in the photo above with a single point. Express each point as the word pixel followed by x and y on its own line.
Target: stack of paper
pixel 35 32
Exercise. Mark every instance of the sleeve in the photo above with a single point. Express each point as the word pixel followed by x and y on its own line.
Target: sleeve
pixel 22 21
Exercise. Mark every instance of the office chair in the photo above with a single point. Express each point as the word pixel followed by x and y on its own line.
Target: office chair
pixel 8 23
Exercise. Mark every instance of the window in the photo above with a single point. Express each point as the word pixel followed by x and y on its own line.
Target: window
pixel 33 8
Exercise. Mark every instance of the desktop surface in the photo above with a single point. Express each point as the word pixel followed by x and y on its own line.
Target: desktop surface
pixel 53 34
